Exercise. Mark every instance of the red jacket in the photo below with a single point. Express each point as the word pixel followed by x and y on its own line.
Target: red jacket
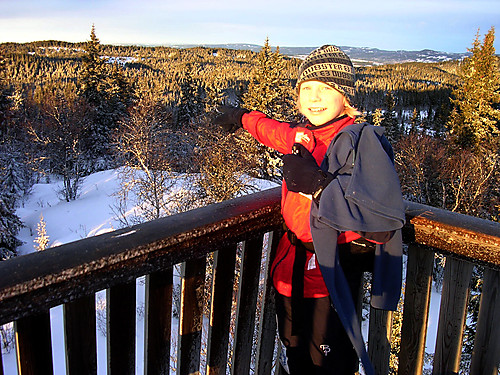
pixel 295 207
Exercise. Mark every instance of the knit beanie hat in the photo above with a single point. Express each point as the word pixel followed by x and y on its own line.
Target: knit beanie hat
pixel 330 65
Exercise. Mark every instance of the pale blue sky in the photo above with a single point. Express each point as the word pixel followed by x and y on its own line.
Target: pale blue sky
pixel 442 25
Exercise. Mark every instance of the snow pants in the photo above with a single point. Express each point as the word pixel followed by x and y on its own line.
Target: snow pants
pixel 319 344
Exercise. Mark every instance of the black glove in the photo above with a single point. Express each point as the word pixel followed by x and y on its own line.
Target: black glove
pixel 303 175
pixel 229 118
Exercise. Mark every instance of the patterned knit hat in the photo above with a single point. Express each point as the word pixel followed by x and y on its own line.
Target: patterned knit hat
pixel 330 65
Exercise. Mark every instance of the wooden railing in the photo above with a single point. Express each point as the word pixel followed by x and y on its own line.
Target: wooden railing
pixel 71 274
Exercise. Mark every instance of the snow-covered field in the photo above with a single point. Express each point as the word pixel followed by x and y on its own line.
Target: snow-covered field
pixel 92 214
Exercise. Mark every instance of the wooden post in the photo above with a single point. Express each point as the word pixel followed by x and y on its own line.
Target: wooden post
pixel 379 339
pixel 247 300
pixel 454 296
pixel 267 327
pixel 33 344
pixel 416 309
pixel 80 336
pixel 486 353
pixel 157 324
pixel 120 305
pixel 220 312
pixel 191 314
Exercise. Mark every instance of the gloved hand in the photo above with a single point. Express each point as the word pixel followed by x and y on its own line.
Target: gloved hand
pixel 303 175
pixel 229 118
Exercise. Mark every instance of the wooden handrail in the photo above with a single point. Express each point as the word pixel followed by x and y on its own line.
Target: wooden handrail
pixel 468 237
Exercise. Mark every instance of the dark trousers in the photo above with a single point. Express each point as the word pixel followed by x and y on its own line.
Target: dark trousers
pixel 319 344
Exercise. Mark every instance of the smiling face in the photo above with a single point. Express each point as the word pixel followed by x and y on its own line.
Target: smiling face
pixel 320 102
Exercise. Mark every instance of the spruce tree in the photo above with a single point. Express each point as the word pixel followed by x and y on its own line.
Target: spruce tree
pixel 474 121
pixel 5 102
pixel 415 121
pixel 377 117
pixel 270 93
pixel 109 94
pixel 190 105
pixel 389 122
pixel 9 226
pixel 42 239
pixel 93 74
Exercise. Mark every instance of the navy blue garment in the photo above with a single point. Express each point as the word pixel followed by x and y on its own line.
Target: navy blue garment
pixel 365 196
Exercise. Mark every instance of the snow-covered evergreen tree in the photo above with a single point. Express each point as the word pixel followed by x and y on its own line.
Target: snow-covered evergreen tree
pixel 214 91
pixel 9 227
pixel 475 119
pixel 190 105
pixel 109 94
pixel 6 103
pixel 42 239
pixel 93 74
pixel 415 121
pixel 377 117
pixel 270 93
pixel 10 183
pixel 389 122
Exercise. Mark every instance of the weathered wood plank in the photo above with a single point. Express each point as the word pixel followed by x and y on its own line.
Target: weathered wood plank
pixel 34 345
pixel 80 336
pixel 220 311
pixel 268 326
pixel 416 310
pixel 120 306
pixel 191 315
pixel 452 314
pixel 157 326
pixel 466 236
pixel 486 352
pixel 247 301
pixel 379 339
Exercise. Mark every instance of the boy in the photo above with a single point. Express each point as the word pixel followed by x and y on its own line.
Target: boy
pixel 317 321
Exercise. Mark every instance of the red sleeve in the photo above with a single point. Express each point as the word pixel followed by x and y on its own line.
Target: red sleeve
pixel 275 134
pixel 267 131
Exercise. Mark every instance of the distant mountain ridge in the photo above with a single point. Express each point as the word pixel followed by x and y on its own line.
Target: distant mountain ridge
pixel 359 55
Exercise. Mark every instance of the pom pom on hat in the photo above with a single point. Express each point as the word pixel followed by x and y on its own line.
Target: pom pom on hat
pixel 330 65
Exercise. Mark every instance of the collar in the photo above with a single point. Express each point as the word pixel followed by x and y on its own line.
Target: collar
pixel 310 126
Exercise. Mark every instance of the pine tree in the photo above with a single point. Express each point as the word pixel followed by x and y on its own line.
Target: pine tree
pixel 270 93
pixel 119 93
pixel 109 94
pixel 377 117
pixel 415 121
pixel 9 227
pixel 42 239
pixel 190 102
pixel 93 74
pixel 214 91
pixel 389 122
pixel 474 121
pixel 5 102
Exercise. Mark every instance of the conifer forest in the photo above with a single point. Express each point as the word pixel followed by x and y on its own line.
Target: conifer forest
pixel 71 109
pixel 68 110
